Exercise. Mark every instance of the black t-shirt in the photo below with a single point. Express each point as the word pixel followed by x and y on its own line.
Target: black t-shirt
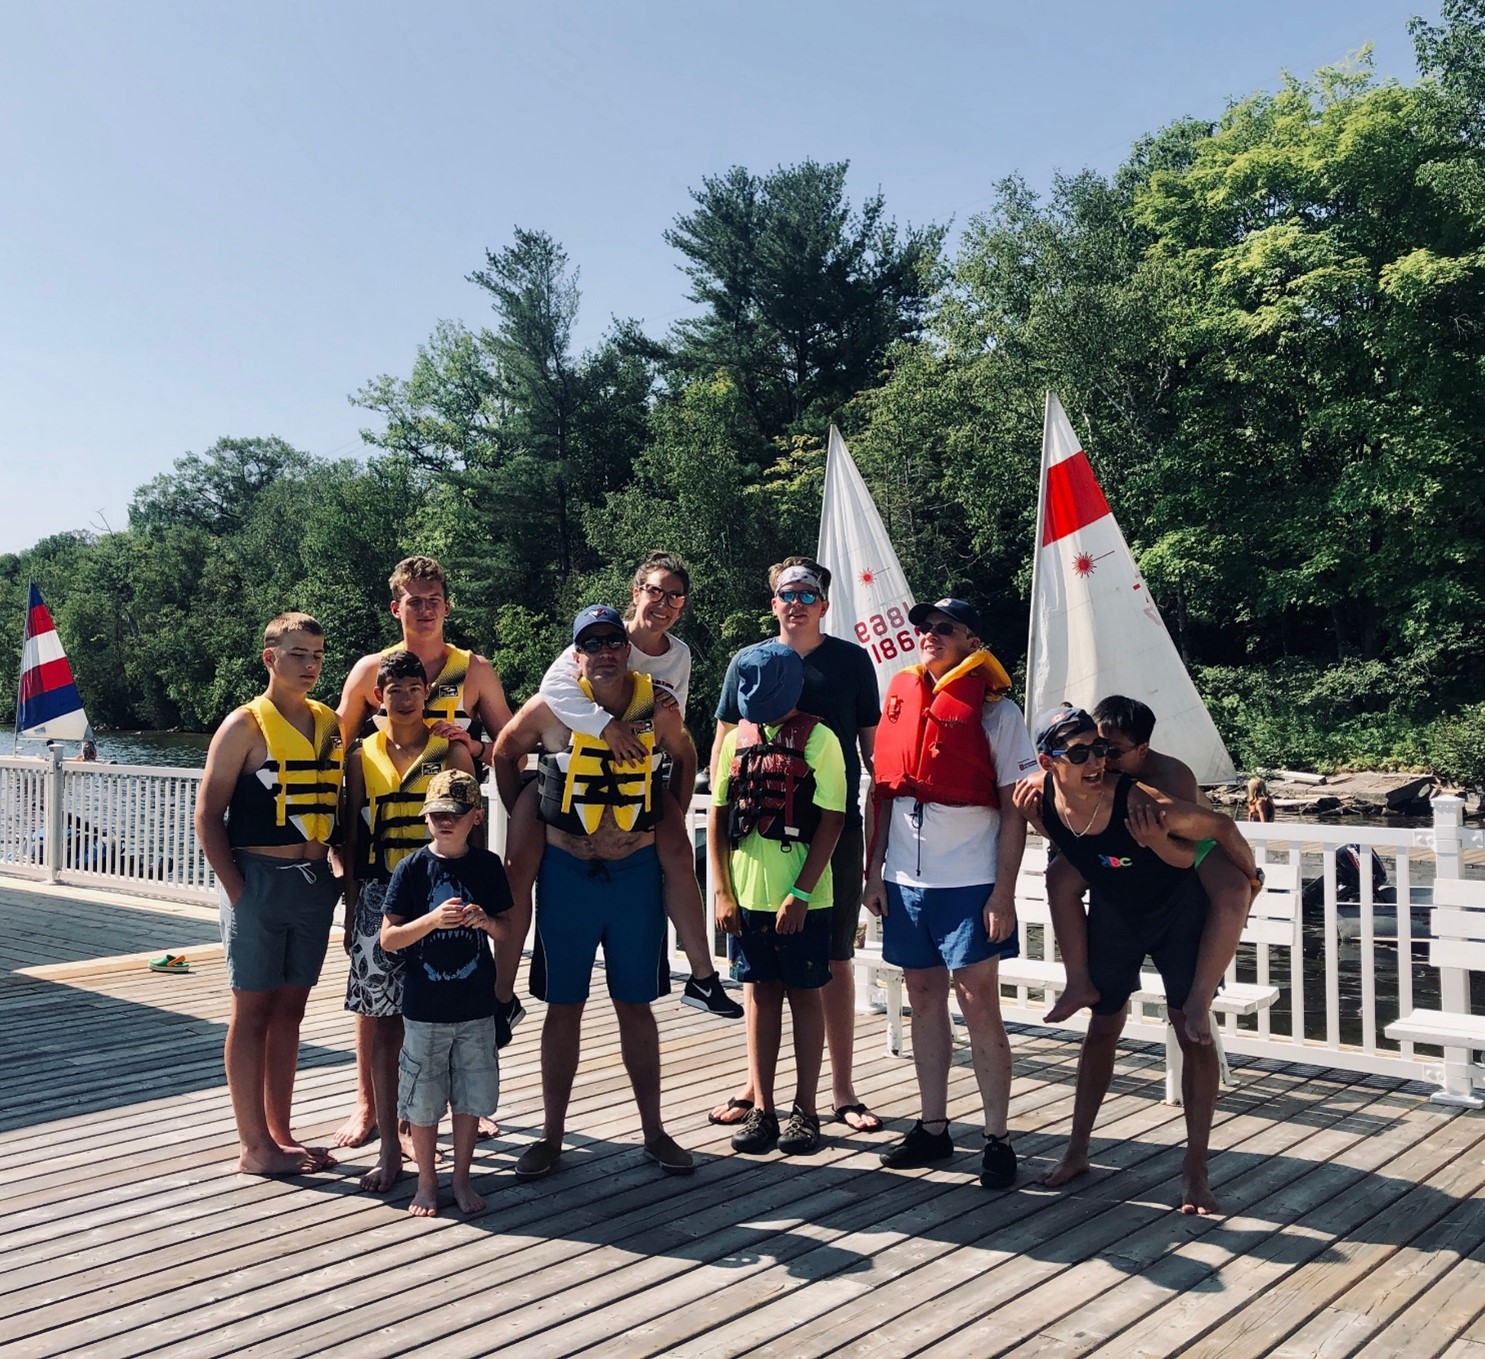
pixel 450 974
pixel 840 688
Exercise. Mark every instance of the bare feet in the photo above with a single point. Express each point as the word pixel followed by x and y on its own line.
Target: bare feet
pixel 734 1111
pixel 278 1161
pixel 487 1129
pixel 469 1202
pixel 1068 1168
pixel 1073 999
pixel 320 1156
pixel 382 1176
pixel 1197 1198
pixel 404 1140
pixel 1199 1023
pixel 357 1130
pixel 424 1202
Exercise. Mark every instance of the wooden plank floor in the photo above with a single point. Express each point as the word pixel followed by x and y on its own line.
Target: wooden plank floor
pixel 1354 1223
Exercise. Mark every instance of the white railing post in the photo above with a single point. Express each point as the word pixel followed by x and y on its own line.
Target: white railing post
pixel 54 845
pixel 1454 982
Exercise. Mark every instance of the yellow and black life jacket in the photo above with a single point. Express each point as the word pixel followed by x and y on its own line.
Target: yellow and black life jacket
pixel 392 819
pixel 576 786
pixel 291 798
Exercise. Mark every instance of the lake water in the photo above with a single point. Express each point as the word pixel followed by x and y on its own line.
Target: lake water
pixel 176 750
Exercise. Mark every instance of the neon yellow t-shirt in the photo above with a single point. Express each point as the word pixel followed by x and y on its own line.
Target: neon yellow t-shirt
pixel 763 870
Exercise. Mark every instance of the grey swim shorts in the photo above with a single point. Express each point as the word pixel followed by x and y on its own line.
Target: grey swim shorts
pixel 277 933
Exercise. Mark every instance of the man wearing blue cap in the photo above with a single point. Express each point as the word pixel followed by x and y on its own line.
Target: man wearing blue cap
pixel 599 880
pixel 942 867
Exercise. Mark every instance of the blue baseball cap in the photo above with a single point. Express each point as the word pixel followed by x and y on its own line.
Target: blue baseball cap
pixel 1060 724
pixel 592 616
pixel 770 679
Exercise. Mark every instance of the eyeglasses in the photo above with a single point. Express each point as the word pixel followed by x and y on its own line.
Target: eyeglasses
pixel 1097 750
pixel 609 641
pixel 797 596
pixel 655 594
pixel 938 629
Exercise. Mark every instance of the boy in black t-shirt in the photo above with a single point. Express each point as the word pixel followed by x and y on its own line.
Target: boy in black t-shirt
pixel 441 904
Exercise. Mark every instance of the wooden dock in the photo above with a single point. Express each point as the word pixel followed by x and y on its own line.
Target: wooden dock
pixel 1354 1217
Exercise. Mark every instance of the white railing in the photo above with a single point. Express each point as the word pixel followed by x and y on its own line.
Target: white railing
pixel 1351 969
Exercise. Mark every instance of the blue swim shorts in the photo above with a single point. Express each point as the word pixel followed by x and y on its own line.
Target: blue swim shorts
pixel 582 903
pixel 940 927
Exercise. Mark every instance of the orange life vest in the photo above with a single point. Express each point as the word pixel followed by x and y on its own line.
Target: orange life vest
pixel 931 744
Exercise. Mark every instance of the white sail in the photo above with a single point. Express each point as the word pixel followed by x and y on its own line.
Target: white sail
pixel 1095 630
pixel 869 596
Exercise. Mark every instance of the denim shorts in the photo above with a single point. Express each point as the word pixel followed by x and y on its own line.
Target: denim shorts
pixel 279 930
pixel 445 1066
pixel 940 927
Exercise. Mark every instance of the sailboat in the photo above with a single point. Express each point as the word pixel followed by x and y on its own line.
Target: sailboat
pixel 1095 630
pixel 48 706
pixel 869 596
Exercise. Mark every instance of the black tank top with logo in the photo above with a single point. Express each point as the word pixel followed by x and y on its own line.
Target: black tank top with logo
pixel 1117 869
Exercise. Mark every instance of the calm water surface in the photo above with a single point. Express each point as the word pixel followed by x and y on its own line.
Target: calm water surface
pixel 177 750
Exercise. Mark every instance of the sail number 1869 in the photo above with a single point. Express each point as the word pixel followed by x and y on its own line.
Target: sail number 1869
pixel 887 635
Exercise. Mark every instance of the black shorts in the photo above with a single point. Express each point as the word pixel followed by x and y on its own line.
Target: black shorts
pixel 847 879
pixel 1118 942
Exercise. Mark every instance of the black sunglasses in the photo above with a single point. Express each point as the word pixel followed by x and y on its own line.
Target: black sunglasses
pixel 609 641
pixel 943 629
pixel 1082 754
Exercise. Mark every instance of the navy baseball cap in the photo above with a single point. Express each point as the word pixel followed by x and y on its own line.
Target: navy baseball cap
pixel 592 616
pixel 770 679
pixel 1060 724
pixel 956 609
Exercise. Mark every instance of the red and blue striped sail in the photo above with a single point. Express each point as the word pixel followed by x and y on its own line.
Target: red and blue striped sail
pixel 50 707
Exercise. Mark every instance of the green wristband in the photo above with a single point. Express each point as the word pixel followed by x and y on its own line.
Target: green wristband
pixel 797 891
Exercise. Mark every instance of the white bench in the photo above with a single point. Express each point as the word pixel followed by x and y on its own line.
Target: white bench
pixel 1273 920
pixel 1457 947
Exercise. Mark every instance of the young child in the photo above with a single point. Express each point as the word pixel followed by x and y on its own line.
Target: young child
pixel 1126 725
pixel 779 803
pixel 441 903
pixel 386 781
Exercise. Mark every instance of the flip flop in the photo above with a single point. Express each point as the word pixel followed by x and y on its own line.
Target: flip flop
pixel 860 1110
pixel 744 1104
pixel 170 962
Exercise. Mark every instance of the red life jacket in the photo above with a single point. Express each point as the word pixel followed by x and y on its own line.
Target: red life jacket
pixel 770 787
pixel 931 744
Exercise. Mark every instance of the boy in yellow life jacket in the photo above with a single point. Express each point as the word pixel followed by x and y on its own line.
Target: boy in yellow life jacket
pixel 265 814
pixel 386 777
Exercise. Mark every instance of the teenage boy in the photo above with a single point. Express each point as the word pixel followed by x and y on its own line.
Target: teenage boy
pixel 778 804
pixel 465 705
pixel 1140 904
pixel 265 815
pixel 1126 726
pixel 942 869
pixel 386 779
pixel 840 688
pixel 599 880
pixel 443 902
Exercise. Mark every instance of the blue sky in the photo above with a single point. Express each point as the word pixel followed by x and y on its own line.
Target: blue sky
pixel 222 220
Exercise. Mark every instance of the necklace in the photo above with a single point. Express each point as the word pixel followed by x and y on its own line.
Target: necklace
pixel 1088 825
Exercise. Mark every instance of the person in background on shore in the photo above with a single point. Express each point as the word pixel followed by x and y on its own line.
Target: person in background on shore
pixel 1140 904
pixel 777 808
pixel 840 688
pixel 466 706
pixel 1260 804
pixel 443 901
pixel 386 778
pixel 1126 725
pixel 265 815
pixel 657 598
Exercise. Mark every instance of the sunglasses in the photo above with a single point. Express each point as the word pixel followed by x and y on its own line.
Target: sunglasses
pixel 938 629
pixel 609 641
pixel 655 594
pixel 1098 750
pixel 797 596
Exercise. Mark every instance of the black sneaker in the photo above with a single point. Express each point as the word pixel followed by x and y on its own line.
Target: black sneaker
pixel 801 1135
pixel 757 1133
pixel 998 1163
pixel 507 1015
pixel 710 995
pixel 919 1148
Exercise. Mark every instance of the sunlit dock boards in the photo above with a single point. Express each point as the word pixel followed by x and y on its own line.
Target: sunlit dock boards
pixel 1354 1218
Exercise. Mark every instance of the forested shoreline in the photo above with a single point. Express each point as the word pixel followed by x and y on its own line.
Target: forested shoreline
pixel 1267 329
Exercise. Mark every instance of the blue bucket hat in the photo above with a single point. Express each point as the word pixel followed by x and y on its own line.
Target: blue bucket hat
pixel 770 679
